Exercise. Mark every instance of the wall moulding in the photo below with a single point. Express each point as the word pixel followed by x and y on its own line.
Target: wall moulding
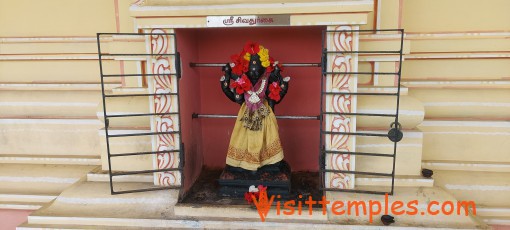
pixel 457 35
pixel 193 8
pixel 91 39
pixel 158 21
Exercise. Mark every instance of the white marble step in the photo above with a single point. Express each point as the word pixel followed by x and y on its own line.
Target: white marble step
pixel 74 227
pixel 493 211
pixel 409 153
pixel 458 84
pixel 22 205
pixel 467 140
pixel 365 89
pixel 32 185
pixel 131 144
pixel 48 222
pixel 17 198
pixel 400 181
pixel 49 159
pixel 494 215
pixel 125 223
pixel 57 86
pixel 102 176
pixel 50 137
pixel 496 220
pixel 242 212
pixel 467 166
pixel 47 179
pixel 49 103
pixel 90 204
pixel 487 189
pixel 422 218
pixel 93 199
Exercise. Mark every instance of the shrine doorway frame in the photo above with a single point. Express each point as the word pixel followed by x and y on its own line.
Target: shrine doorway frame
pixel 343 26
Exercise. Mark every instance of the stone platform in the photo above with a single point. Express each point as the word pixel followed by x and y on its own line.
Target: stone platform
pixel 235 183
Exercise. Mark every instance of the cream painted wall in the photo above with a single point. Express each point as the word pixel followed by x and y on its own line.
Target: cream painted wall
pixel 50 92
pixel 422 16
pixel 56 18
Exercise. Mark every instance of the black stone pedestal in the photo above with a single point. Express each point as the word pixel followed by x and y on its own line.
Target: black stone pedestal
pixel 234 182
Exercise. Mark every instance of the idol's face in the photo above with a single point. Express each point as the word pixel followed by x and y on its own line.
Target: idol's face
pixel 255 68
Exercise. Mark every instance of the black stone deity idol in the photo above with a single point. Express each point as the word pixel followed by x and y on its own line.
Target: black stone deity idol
pixel 254 81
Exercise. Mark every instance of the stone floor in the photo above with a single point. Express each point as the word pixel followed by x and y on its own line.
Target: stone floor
pixel 89 204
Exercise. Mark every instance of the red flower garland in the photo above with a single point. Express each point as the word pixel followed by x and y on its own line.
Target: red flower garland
pixel 270 68
pixel 251 47
pixel 248 195
pixel 241 85
pixel 240 64
pixel 274 91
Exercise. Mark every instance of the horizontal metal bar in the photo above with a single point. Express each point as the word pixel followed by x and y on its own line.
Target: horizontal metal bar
pixel 144 55
pixel 299 117
pixel 144 171
pixel 330 31
pixel 140 95
pixel 355 191
pixel 360 114
pixel 138 75
pixel 235 116
pixel 140 114
pixel 364 52
pixel 363 73
pixel 212 116
pixel 192 64
pixel 358 153
pixel 142 134
pixel 356 134
pixel 143 153
pixel 301 64
pixel 135 34
pixel 369 94
pixel 358 172
pixel 146 189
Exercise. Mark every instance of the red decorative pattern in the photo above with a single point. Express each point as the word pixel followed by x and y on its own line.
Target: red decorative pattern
pixel 163 83
pixel 342 41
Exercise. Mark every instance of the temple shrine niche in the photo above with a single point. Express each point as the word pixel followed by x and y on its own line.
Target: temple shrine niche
pixel 203 141
pixel 282 142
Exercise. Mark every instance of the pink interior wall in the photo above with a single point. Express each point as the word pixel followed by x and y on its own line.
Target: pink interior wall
pixel 190 103
pixel 10 219
pixel 300 138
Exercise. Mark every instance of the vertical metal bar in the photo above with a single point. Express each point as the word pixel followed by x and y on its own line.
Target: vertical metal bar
pixel 322 154
pixel 398 106
pixel 104 112
pixel 177 62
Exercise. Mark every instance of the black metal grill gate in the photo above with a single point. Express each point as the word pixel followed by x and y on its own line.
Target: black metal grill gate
pixel 107 116
pixel 394 134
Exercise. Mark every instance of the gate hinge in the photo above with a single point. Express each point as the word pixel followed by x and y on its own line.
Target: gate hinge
pixel 178 65
pixel 324 61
